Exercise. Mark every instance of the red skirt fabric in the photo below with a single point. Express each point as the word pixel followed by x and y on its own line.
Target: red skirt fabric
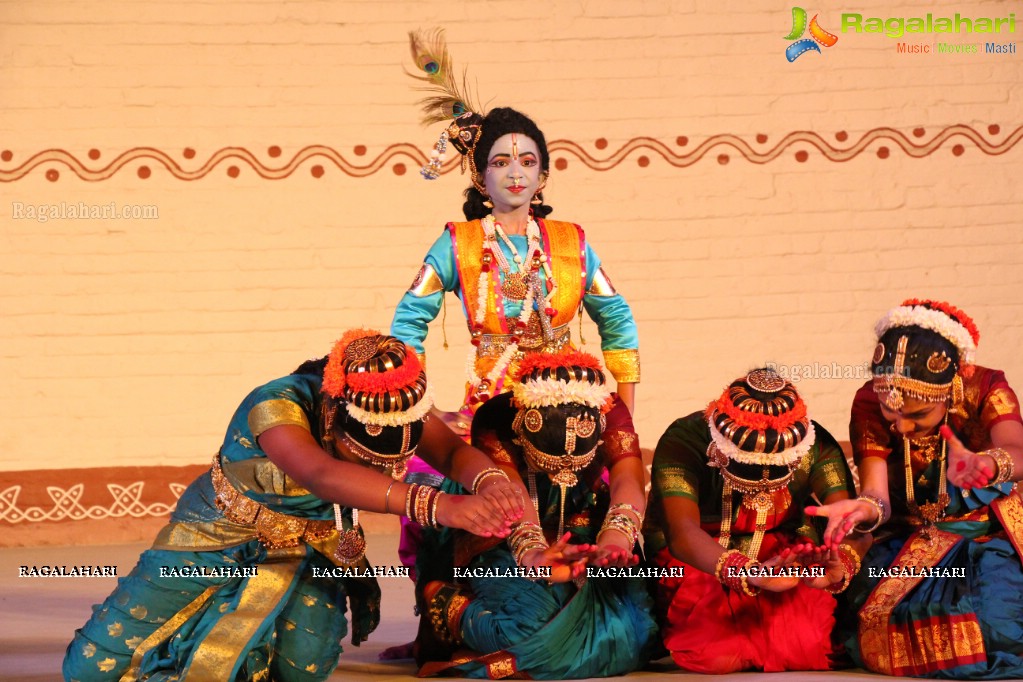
pixel 709 629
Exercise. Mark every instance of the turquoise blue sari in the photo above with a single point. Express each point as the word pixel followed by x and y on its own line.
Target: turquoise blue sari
pixel 599 628
pixel 211 600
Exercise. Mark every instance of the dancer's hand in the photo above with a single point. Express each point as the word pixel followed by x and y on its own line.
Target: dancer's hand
pixel 825 557
pixel 612 551
pixel 566 561
pixel 779 583
pixel 473 513
pixel 843 516
pixel 967 469
pixel 503 497
pixel 456 421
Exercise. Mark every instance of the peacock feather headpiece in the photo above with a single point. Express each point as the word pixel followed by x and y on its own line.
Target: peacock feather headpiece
pixel 451 99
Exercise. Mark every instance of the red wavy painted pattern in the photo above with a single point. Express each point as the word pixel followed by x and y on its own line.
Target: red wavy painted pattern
pixel 400 157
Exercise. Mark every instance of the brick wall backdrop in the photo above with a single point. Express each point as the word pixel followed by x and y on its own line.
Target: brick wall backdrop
pixel 752 210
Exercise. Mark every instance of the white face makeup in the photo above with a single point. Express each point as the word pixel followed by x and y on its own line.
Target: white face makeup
pixel 513 172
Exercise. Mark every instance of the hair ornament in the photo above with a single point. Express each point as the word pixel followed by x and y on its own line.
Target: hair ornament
pixel 941 318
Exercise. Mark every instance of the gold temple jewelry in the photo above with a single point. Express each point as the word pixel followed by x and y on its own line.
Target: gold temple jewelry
pixel 938 362
pixel 929 512
pixel 397 464
pixel 274 529
pixel 756 495
pixel 533 420
pixel 351 545
pixel 561 469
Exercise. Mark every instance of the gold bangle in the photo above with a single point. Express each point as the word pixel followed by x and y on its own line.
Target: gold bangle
pixel 879 505
pixel 433 509
pixel 387 498
pixel 410 496
pixel 625 506
pixel 484 475
pixel 623 524
pixel 1003 460
pixel 525 537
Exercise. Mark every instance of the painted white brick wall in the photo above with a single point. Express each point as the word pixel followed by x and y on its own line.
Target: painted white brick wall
pixel 132 341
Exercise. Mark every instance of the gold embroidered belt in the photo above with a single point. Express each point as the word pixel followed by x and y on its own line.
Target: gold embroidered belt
pixel 275 530
pixel 492 345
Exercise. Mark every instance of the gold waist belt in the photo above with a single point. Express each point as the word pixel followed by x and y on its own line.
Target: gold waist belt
pixel 275 530
pixel 492 345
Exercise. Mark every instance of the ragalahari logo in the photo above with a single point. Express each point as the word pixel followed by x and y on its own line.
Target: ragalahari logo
pixel 817 35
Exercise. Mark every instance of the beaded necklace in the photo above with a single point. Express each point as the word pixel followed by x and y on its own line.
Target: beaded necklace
pixel 519 284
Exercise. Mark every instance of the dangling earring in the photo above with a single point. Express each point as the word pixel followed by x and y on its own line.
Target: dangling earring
pixel 957 391
pixel 537 199
pixel 487 202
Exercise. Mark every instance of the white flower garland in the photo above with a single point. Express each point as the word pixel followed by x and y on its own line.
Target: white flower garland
pixel 785 457
pixel 413 414
pixel 934 320
pixel 549 392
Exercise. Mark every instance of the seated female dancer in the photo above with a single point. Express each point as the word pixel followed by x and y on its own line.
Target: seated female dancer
pixel 939 443
pixel 728 490
pixel 237 586
pixel 553 433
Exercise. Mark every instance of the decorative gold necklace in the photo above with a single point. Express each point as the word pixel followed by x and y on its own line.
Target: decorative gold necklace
pixel 757 496
pixel 929 512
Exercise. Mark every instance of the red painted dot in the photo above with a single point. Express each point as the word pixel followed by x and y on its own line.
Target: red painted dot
pixel 274 151
pixel 399 169
pixel 918 132
pixel 882 152
pixel 841 136
pixel 561 164
pixel 761 138
pixel 317 171
pixel 958 150
pixel 994 128
pixel 360 149
pixel 600 143
pixel 6 155
pixel 723 159
pixel 93 154
pixel 144 172
pixel 802 156
pixel 52 175
pixel 233 171
pixel 188 153
pixel 643 161
pixel 681 140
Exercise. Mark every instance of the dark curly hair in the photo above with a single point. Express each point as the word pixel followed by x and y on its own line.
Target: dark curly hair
pixel 498 123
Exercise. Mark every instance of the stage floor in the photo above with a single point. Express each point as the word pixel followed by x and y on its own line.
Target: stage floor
pixel 38 617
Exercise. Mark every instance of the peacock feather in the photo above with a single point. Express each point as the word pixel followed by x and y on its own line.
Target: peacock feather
pixel 451 95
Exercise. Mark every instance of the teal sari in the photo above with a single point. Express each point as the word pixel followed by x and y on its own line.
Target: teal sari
pixel 222 600
pixel 495 627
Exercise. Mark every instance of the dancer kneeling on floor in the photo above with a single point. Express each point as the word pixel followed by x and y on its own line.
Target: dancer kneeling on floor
pixel 240 585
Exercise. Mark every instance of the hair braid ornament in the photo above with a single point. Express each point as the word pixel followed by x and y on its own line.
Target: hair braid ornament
pixel 758 420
